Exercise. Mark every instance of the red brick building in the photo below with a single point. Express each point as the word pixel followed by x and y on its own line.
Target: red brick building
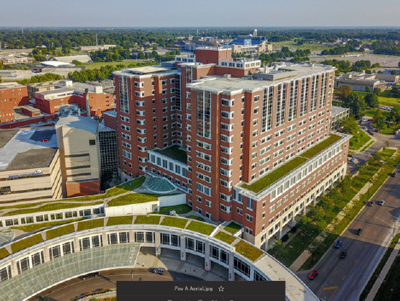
pixel 247 144
pixel 11 95
pixel 68 93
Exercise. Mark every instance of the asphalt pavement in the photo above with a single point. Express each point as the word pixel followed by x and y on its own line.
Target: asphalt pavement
pixel 345 279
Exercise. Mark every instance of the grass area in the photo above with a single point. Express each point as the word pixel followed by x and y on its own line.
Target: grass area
pixel 229 239
pixel 179 209
pixel 34 227
pixel 367 146
pixel 315 150
pixel 274 175
pixel 173 152
pixel 119 220
pixel 196 218
pixel 90 224
pixel 52 233
pixel 388 129
pixel 390 287
pixel 174 222
pixel 126 63
pixel 371 113
pixel 383 99
pixel 200 227
pixel 144 219
pixel 26 243
pixel 248 250
pixel 129 186
pixel 293 44
pixel 379 268
pixel 232 227
pixel 50 207
pixel 358 140
pixel 134 198
pixel 327 209
pixel 4 253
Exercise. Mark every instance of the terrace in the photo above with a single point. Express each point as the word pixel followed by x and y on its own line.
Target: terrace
pixel 173 152
pixel 286 168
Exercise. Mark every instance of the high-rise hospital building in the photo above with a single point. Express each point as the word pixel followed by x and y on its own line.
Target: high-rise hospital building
pixel 246 143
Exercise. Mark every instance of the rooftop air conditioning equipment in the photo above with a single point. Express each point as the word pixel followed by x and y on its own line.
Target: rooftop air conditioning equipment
pixel 227 76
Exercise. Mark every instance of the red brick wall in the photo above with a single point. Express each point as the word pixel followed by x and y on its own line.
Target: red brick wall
pixel 213 56
pixel 110 121
pixel 82 188
pixel 10 98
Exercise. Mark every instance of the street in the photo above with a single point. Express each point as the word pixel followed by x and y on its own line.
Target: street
pixel 344 279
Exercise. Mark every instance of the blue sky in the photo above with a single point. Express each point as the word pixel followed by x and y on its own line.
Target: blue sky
pixel 203 13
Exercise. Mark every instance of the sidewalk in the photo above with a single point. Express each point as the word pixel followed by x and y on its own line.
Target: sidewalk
pixel 383 273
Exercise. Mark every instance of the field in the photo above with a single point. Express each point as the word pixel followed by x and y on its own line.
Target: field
pixel 293 44
pixel 384 99
pixel 102 64
pixel 384 60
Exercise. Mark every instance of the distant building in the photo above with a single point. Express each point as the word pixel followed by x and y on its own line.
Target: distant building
pixel 30 166
pixel 97 47
pixel 83 58
pixel 359 81
pixel 40 87
pixel 7 60
pixel 67 93
pixel 11 95
pixel 250 44
pixel 338 113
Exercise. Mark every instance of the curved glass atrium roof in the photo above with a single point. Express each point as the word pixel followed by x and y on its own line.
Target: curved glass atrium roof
pixel 159 185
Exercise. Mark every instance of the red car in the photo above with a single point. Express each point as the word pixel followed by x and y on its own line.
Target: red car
pixel 313 274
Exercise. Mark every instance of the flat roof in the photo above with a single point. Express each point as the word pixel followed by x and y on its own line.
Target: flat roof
pixel 173 152
pixel 11 85
pixel 147 70
pixel 27 148
pixel 280 74
pixel 80 123
pixel 338 110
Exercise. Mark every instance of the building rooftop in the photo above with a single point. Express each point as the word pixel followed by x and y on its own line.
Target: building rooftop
pixel 27 148
pixel 70 88
pixel 147 70
pixel 173 152
pixel 273 176
pixel 261 80
pixel 80 123
pixel 338 110
pixel 5 86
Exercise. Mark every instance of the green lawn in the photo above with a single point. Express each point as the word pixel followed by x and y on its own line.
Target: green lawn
pixel 134 198
pixel 125 63
pixel 26 243
pixel 293 44
pixel 174 222
pixel 248 250
pixel 196 218
pixel 179 209
pixel 371 112
pixel 232 228
pixel 200 227
pixel 60 231
pixel 144 219
pixel 174 152
pixel 129 186
pixel 367 146
pixel 358 140
pixel 383 99
pixel 229 239
pixel 119 220
pixel 90 224
pixel 34 227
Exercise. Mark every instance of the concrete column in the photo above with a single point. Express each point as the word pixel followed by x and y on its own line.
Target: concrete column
pixel 304 209
pixel 265 246
pixel 14 269
pixel 183 246
pixel 157 242
pixel 251 273
pixel 279 234
pixel 207 262
pixel 46 254
pixel 292 222
pixel 231 272
pixel 105 239
pixel 76 245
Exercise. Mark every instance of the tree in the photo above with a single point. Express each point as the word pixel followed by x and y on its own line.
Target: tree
pixel 398 64
pixel 367 89
pixel 372 100
pixel 1 80
pixel 394 115
pixel 76 63
pixel 393 72
pixel 343 92
pixel 356 104
pixel 377 91
pixel 379 119
pixel 348 125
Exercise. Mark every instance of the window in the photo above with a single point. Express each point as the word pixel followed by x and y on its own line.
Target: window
pixel 92 142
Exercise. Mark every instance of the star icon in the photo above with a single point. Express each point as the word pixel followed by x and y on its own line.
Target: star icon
pixel 221 288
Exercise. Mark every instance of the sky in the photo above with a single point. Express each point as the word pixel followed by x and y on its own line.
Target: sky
pixel 200 13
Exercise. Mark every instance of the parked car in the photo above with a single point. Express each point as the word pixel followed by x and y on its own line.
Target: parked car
pixel 393 174
pixel 313 274
pixel 358 231
pixel 90 275
pixel 343 254
pixel 381 202
pixel 370 203
pixel 159 271
pixel 354 160
pixel 338 244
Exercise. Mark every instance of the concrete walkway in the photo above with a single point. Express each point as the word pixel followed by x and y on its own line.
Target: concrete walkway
pixel 383 273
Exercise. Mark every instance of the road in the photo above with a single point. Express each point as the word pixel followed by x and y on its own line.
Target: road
pixel 344 279
pixel 106 280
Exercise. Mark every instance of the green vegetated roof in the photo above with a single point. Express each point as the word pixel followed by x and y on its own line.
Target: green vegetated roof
pixel 320 146
pixel 248 250
pixel 4 253
pixel 174 222
pixel 119 220
pixel 134 198
pixel 52 233
pixel 200 227
pixel 286 168
pixel 151 219
pixel 229 239
pixel 128 186
pixel 26 242
pixel 232 227
pixel 173 152
pixel 90 224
